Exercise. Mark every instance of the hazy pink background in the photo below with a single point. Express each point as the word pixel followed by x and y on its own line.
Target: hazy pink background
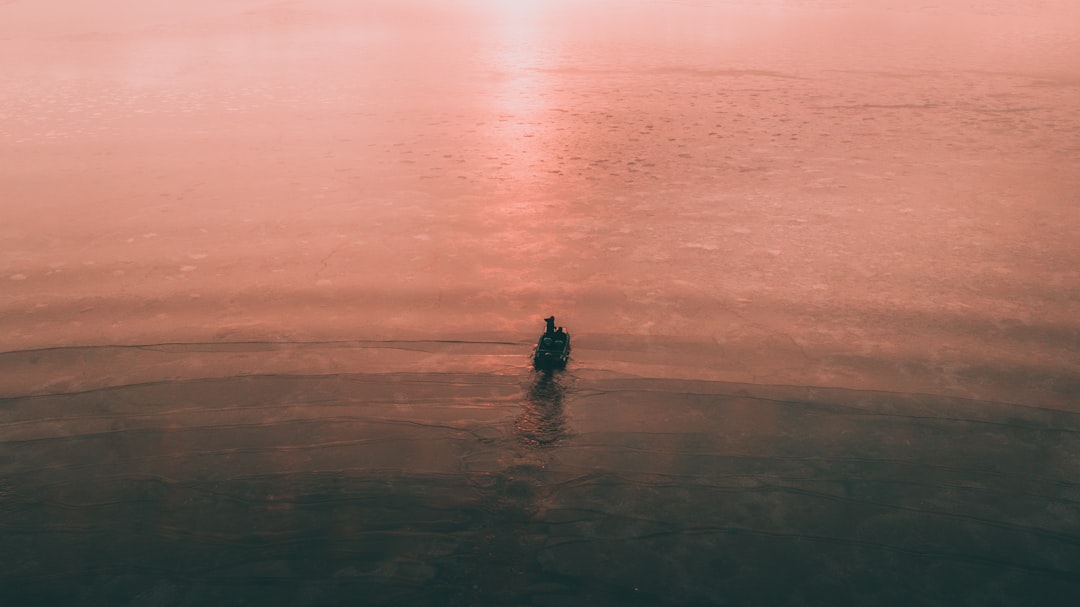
pixel 836 193
pixel 270 274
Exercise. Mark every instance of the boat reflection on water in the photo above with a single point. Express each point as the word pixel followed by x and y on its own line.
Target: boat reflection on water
pixel 543 422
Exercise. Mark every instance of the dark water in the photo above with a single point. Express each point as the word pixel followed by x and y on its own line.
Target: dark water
pixel 270 273
pixel 517 487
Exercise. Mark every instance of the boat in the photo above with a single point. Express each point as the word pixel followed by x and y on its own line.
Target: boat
pixel 553 348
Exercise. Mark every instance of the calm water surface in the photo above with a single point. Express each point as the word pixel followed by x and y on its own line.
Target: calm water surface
pixel 807 187
pixel 815 192
pixel 270 272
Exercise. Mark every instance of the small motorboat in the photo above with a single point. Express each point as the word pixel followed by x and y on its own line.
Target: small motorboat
pixel 553 347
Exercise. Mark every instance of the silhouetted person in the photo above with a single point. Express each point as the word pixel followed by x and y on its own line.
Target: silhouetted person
pixel 550 320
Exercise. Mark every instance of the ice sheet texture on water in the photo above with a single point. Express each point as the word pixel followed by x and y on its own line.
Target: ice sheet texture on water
pixel 271 272
pixel 822 191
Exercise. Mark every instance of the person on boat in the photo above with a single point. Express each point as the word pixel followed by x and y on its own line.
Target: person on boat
pixel 550 320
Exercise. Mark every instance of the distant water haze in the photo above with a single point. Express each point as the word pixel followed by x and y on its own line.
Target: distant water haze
pixel 875 195
pixel 271 272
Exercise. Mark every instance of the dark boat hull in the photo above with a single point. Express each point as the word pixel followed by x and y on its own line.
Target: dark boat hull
pixel 552 352
pixel 547 361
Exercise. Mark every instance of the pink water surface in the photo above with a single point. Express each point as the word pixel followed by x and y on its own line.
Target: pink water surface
pixel 828 193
